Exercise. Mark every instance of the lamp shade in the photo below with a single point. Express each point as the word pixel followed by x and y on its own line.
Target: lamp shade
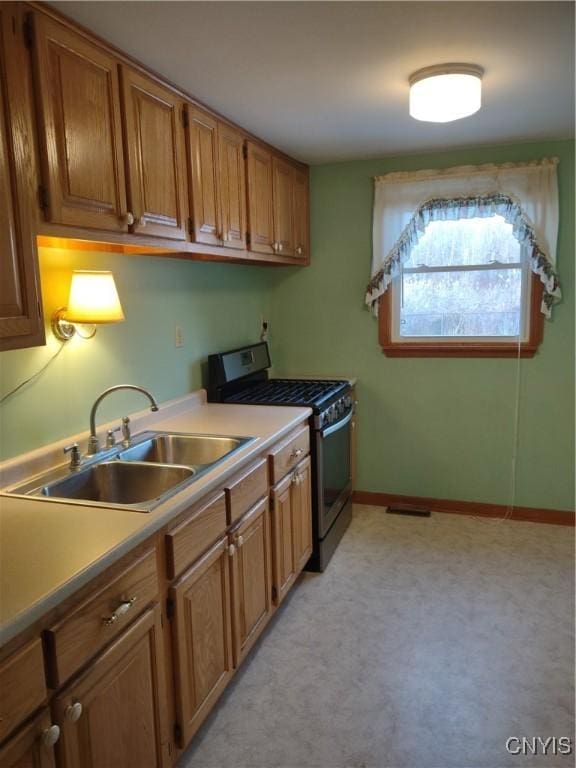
pixel 445 92
pixel 93 299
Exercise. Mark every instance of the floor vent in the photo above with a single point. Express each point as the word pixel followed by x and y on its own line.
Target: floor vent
pixel 408 509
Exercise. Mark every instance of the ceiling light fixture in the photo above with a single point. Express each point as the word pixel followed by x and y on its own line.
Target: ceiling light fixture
pixel 93 300
pixel 445 92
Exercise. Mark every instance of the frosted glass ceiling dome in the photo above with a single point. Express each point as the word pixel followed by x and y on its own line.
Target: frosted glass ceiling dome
pixel 445 92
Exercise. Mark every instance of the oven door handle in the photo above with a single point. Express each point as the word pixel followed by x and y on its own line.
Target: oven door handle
pixel 335 427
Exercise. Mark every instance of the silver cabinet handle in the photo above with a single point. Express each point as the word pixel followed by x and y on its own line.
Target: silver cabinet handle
pixel 274 246
pixel 299 250
pixel 231 550
pixel 280 246
pixel 296 453
pixel 129 218
pixel 50 736
pixel 73 712
pixel 295 479
pixel 123 608
pixel 240 541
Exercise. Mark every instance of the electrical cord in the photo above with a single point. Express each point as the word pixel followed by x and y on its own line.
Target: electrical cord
pixel 34 375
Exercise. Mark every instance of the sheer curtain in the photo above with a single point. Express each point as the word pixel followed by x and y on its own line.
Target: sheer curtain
pixel 526 195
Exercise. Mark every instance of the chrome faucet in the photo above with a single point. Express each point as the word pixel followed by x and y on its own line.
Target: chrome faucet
pixel 93 443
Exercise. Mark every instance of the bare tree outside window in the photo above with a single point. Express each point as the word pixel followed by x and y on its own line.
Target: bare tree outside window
pixel 463 279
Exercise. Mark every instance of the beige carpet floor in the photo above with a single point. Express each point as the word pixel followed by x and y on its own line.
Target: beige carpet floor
pixel 427 643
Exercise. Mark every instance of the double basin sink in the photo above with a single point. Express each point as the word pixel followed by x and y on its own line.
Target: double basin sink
pixel 155 466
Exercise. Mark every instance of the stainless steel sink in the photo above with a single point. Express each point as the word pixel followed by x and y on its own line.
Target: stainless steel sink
pixel 155 467
pixel 117 482
pixel 190 450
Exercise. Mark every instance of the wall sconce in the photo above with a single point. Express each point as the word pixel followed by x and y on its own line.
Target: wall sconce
pixel 93 300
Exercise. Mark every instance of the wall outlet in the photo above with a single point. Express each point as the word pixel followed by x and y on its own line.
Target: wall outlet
pixel 178 336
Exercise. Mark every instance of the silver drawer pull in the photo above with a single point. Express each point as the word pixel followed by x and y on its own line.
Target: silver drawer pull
pixel 240 541
pixel 73 712
pixel 50 736
pixel 231 550
pixel 296 453
pixel 123 608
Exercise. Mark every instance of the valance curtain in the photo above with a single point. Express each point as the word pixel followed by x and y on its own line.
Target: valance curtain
pixel 526 195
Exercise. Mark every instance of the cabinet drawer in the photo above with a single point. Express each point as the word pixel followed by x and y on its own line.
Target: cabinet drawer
pixel 22 686
pixel 284 456
pixel 245 490
pixel 90 627
pixel 191 538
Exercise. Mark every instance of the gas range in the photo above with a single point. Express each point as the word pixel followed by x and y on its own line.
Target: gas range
pixel 241 376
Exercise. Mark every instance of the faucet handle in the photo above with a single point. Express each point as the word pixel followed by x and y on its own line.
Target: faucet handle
pixel 75 455
pixel 110 439
pixel 126 436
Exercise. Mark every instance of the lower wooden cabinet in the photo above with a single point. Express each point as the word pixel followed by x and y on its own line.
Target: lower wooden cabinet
pixel 32 746
pixel 202 634
pixel 251 570
pixel 114 713
pixel 291 527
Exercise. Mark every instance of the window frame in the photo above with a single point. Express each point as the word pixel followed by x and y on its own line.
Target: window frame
pixel 449 347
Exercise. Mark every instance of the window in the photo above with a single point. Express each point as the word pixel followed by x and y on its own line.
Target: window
pixel 465 290
pixel 464 259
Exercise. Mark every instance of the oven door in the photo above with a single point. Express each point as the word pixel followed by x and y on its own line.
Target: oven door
pixel 334 471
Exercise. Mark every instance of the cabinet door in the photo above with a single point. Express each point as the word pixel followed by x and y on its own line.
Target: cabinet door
pixel 78 98
pixel 283 208
pixel 20 310
pixel 123 704
pixel 27 748
pixel 202 637
pixel 291 527
pixel 232 186
pixel 155 147
pixel 260 198
pixel 203 163
pixel 282 537
pixel 251 578
pixel 301 206
pixel 302 514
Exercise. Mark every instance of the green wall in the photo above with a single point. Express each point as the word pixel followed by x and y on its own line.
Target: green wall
pixel 218 306
pixel 432 427
pixel 436 427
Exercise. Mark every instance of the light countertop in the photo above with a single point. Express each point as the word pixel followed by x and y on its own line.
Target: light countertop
pixel 49 549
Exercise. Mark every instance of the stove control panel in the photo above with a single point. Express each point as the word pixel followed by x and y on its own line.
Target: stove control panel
pixel 335 412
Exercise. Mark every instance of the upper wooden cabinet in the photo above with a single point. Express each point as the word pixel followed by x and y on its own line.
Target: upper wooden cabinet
pixel 232 177
pixel 277 206
pixel 78 100
pixel 217 180
pixel 259 170
pixel 155 154
pixel 301 209
pixel 115 154
pixel 283 197
pixel 204 182
pixel 20 310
